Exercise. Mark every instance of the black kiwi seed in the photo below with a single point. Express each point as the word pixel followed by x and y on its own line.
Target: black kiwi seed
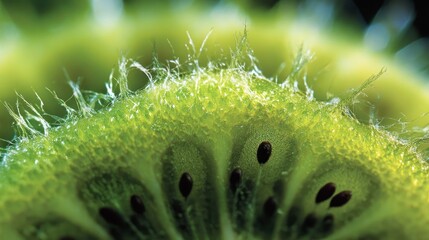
pixel 135 220
pixel 327 223
pixel 325 192
pixel 310 221
pixel 137 204
pixel 111 216
pixel 293 215
pixel 235 179
pixel 340 199
pixel 66 238
pixel 270 207
pixel 179 215
pixel 185 184
pixel 115 234
pixel 140 224
pixel 264 152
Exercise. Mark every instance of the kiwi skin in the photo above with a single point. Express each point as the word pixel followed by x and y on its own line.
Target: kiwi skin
pixel 80 47
pixel 207 123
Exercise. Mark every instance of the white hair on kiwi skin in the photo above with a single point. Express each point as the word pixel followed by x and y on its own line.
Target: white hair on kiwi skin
pixel 33 120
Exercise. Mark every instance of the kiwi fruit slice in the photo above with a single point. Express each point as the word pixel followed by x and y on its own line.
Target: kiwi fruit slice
pixel 218 152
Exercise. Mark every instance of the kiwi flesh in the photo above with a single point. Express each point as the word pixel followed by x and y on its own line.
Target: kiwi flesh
pixel 216 153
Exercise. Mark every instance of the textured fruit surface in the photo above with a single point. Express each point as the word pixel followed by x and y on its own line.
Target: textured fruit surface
pixel 176 145
pixel 88 51
pixel 215 152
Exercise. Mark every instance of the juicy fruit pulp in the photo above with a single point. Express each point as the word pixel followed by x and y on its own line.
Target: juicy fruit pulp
pixel 215 154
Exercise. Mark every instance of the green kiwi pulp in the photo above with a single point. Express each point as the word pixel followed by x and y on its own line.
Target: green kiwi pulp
pixel 218 153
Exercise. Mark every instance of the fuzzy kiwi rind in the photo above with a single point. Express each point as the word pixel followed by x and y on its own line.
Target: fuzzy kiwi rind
pixel 341 61
pixel 86 178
